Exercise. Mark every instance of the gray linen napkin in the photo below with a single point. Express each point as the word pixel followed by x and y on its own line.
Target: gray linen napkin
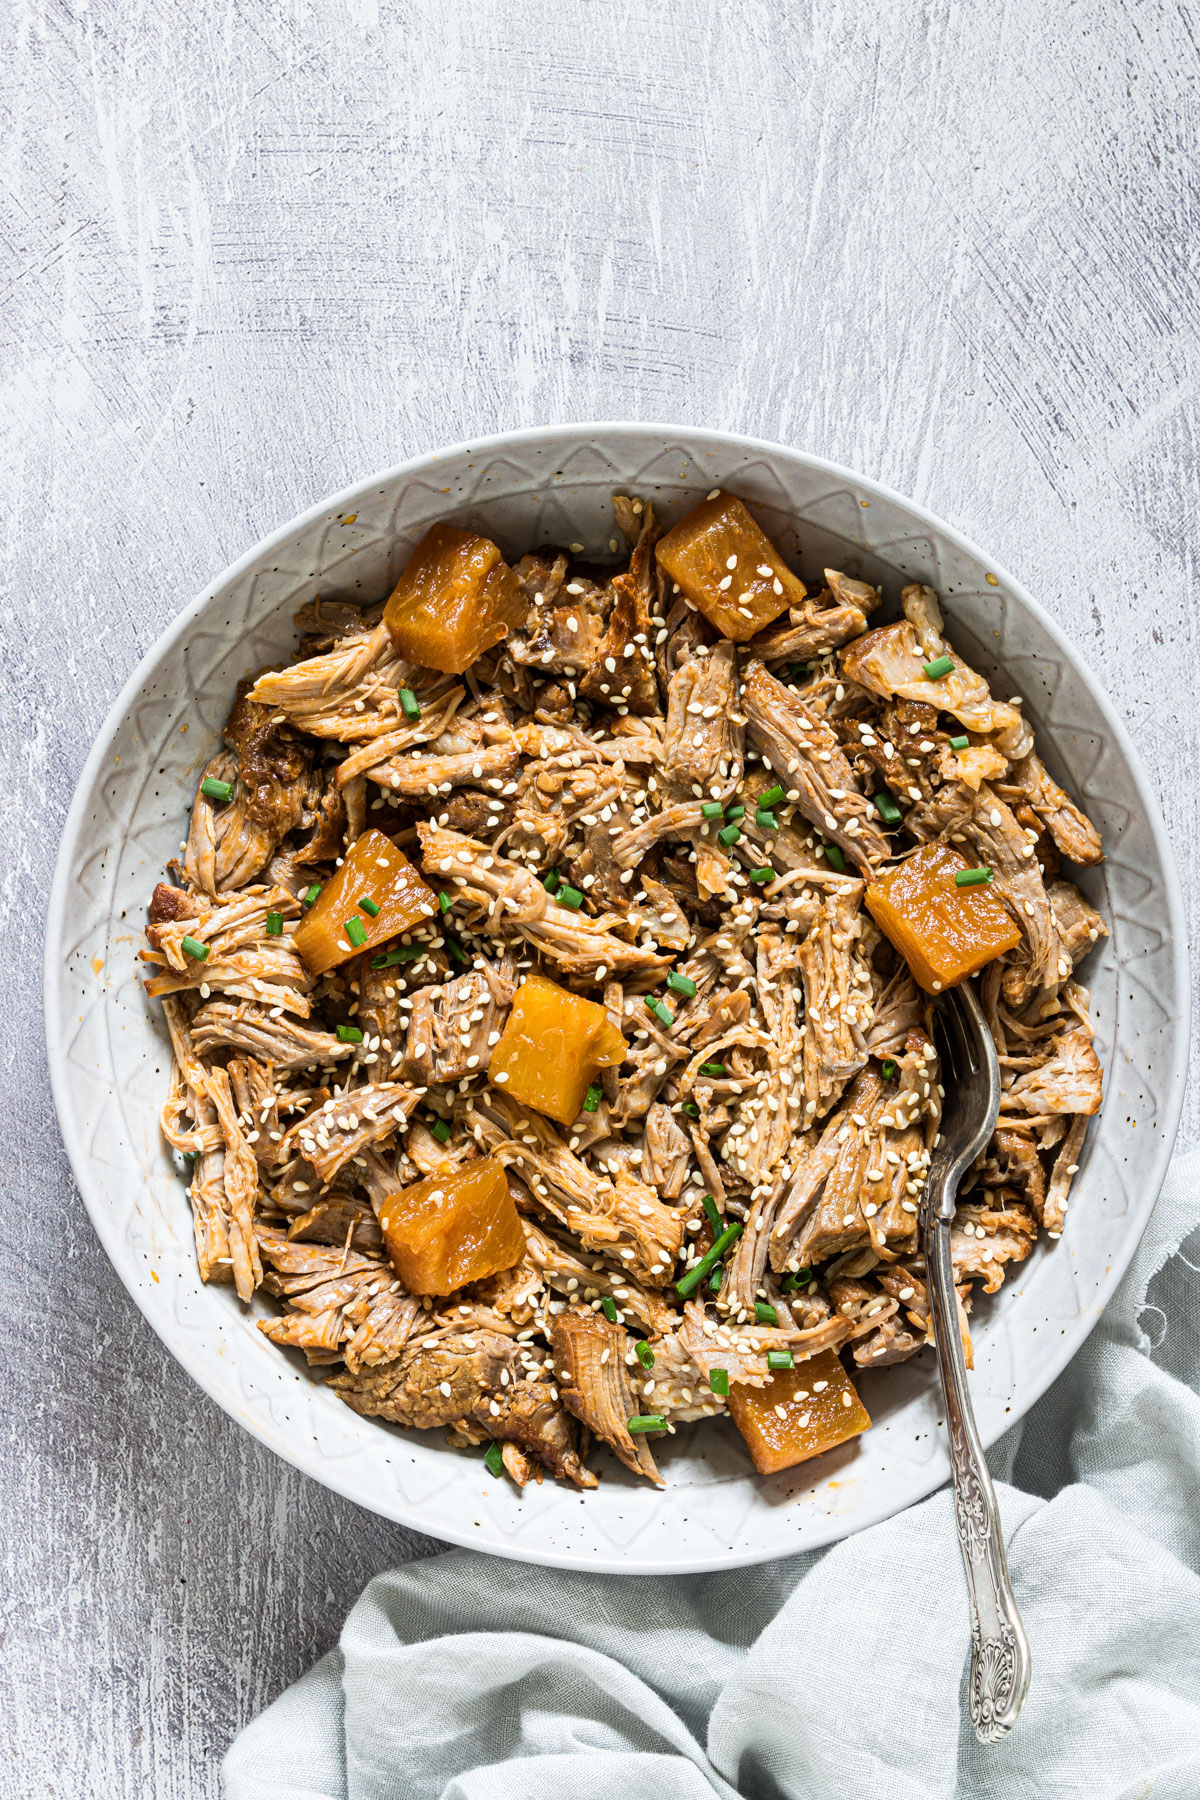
pixel 835 1675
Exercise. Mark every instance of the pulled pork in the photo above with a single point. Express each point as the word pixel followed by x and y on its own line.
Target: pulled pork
pixel 616 796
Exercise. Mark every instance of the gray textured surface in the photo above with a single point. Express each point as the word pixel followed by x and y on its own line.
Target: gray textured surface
pixel 251 252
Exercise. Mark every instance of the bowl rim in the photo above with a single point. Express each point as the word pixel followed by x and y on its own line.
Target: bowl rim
pixel 196 1362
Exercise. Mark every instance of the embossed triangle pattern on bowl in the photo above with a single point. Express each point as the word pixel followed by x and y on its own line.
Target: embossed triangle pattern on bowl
pixel 109 1057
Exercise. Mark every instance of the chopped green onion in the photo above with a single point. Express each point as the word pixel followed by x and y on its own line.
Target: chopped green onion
pixel 712 1068
pixel 662 1013
pixel 455 949
pixel 274 924
pixel 409 704
pixel 369 906
pixel 401 954
pixel 729 835
pixel 735 812
pixel 493 1460
pixel 552 881
pixel 886 807
pixel 608 1307
pixel 780 1359
pixel 712 809
pixel 712 1214
pixel 647 1422
pixel 772 797
pixel 942 665
pixel 764 1314
pixel 766 820
pixel 718 1381
pixel 798 1279
pixel 570 896
pixel 683 984
pixel 960 743
pixel 349 1034
pixel 444 901
pixel 687 1284
pixel 592 1099
pixel 800 672
pixel 972 877
pixel 195 949
pixel 216 790
pixel 834 857
pixel 311 895
pixel 764 874
pixel 441 1131
pixel 714 1280
pixel 690 1108
pixel 645 1354
pixel 356 931
pixel 889 1070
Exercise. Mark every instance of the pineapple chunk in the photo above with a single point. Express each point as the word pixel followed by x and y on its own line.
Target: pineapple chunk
pixel 451 1229
pixel 374 871
pixel 727 566
pixel 456 598
pixel 943 932
pixel 820 1409
pixel 552 1048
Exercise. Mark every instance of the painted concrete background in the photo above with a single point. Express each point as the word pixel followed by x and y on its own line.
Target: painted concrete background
pixel 251 251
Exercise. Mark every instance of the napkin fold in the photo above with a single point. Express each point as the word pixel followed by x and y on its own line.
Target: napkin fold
pixel 833 1674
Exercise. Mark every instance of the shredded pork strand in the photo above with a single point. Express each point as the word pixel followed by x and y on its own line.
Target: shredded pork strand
pixel 615 796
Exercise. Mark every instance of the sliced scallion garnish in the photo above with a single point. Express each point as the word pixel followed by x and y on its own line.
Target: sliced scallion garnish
pixel 552 881
pixel 647 1422
pixel 274 924
pixel 687 1284
pixel 356 931
pixel 780 1359
pixel 608 1307
pixel 570 896
pixel 401 954
pixel 834 857
pixel 718 1381
pixel 712 809
pixel 972 877
pixel 455 949
pixel 735 812
pixel 712 1069
pixel 311 895
pixel 764 1314
pixel 592 1099
pixel 441 1131
pixel 349 1034
pixel 369 906
pixel 940 666
pixel 444 901
pixel 960 743
pixel 195 949
pixel 766 820
pixel 729 835
pixel 409 704
pixel 712 1214
pixel 889 1070
pixel 493 1460
pixel 662 1013
pixel 216 790
pixel 683 984
pixel 886 807
pixel 645 1354
pixel 772 797
pixel 762 875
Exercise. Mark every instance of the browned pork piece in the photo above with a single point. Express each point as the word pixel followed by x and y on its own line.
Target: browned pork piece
pixel 821 622
pixel 589 1364
pixel 807 760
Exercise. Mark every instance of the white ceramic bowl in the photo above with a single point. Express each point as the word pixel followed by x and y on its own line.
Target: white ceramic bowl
pixel 109 1054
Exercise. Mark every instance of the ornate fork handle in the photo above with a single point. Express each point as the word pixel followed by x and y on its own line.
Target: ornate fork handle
pixel 1000 1662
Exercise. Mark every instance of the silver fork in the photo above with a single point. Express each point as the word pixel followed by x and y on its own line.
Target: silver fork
pixel 1000 1661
